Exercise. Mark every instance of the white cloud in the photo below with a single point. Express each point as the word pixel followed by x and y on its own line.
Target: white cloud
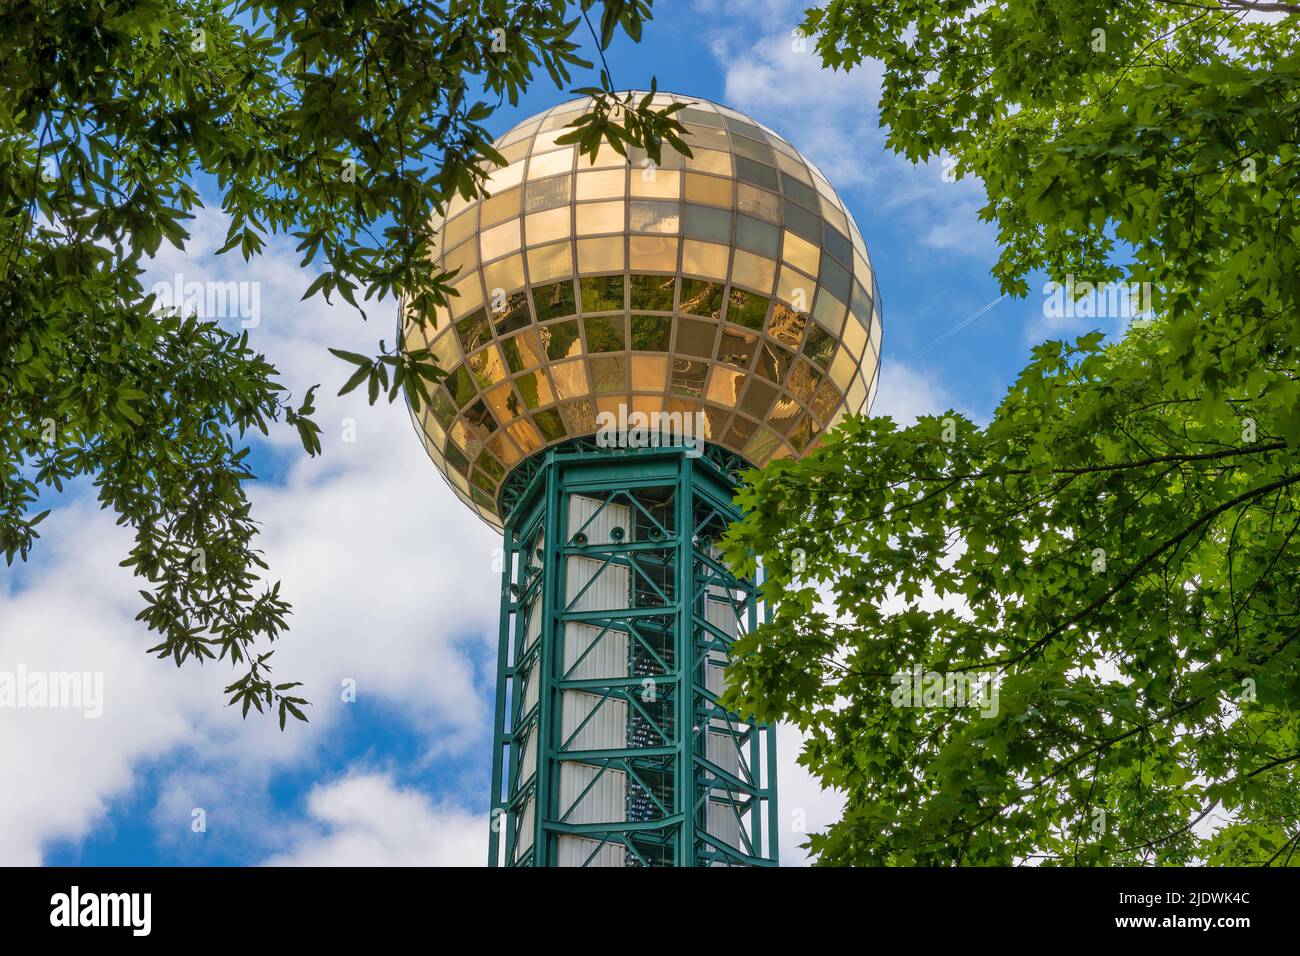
pixel 833 118
pixel 391 580
pixel 367 820
pixel 907 392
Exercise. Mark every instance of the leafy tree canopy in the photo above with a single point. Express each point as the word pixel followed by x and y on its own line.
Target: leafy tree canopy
pixel 344 124
pixel 1116 550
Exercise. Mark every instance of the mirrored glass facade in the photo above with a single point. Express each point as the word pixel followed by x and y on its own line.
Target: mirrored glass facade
pixel 733 283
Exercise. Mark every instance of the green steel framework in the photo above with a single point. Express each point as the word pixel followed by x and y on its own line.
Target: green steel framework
pixel 685 804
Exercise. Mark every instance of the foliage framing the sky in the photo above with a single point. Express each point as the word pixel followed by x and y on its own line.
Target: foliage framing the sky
pixel 344 124
pixel 1117 549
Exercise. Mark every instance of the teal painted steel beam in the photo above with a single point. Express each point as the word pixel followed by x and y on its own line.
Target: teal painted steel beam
pixel 566 731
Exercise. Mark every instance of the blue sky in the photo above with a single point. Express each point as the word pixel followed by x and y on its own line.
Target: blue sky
pixel 392 579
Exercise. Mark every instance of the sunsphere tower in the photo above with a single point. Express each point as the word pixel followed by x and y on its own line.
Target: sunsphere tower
pixel 627 338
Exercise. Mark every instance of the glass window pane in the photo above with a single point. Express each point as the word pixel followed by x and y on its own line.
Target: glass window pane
pixel 759 237
pixel 503 402
pixel 609 374
pixel 464 257
pixel 469 294
pixel 601 293
pixel 701 298
pixel 500 208
pixel 702 222
pixel 600 217
pixel 801 253
pixel 550 164
pixel 709 161
pixel 460 228
pixel 758 203
pixel 554 301
pixel 649 373
pixel 581 416
pixel 550 262
pixel 446 349
pixel 688 377
pixel 487 366
pixel 819 345
pixel 835 279
pixel 737 347
pixel 510 312
pixel 547 226
pixel 550 424
pixel 758 398
pixel 725 386
pixel 570 379
pixel 653 293
pixel 657 182
pixel 796 288
pixel 710 190
pixel 499 240
pixel 695 337
pixel 803 223
pixel 830 312
pixel 705 259
pixel 751 172
pixel 605 156
pixel 561 339
pixel 523 351
pixel 842 369
pixel 536 389
pixel 793 168
pixel 602 184
pixel 504 178
pixel 855 338
pixel 773 362
pixel 652 254
pixel 752 149
pixel 525 435
pixel 754 272
pixel 548 193
pixel 606 333
pixel 747 308
pixel 658 217
pixel 601 255
pixel 787 326
pixel 503 276
pixel 651 333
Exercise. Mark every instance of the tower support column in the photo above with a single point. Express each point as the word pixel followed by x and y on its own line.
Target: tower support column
pixel 618 617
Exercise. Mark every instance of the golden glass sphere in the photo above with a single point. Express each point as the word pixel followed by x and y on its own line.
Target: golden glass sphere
pixel 732 283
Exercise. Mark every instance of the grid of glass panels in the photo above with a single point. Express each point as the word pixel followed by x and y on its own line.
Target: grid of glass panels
pixel 733 282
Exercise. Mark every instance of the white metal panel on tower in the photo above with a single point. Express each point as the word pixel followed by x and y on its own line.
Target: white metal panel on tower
pixel 589 794
pixel 721 613
pixel 723 750
pixel 581 851
pixel 527 818
pixel 595 585
pixel 597 520
pixel 605 726
pixel 530 684
pixel 723 823
pixel 528 760
pixel 594 653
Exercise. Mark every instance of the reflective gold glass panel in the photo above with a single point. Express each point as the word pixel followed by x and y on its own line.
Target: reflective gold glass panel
pixel 732 283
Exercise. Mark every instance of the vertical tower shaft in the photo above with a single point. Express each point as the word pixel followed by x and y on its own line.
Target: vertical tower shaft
pixel 610 748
